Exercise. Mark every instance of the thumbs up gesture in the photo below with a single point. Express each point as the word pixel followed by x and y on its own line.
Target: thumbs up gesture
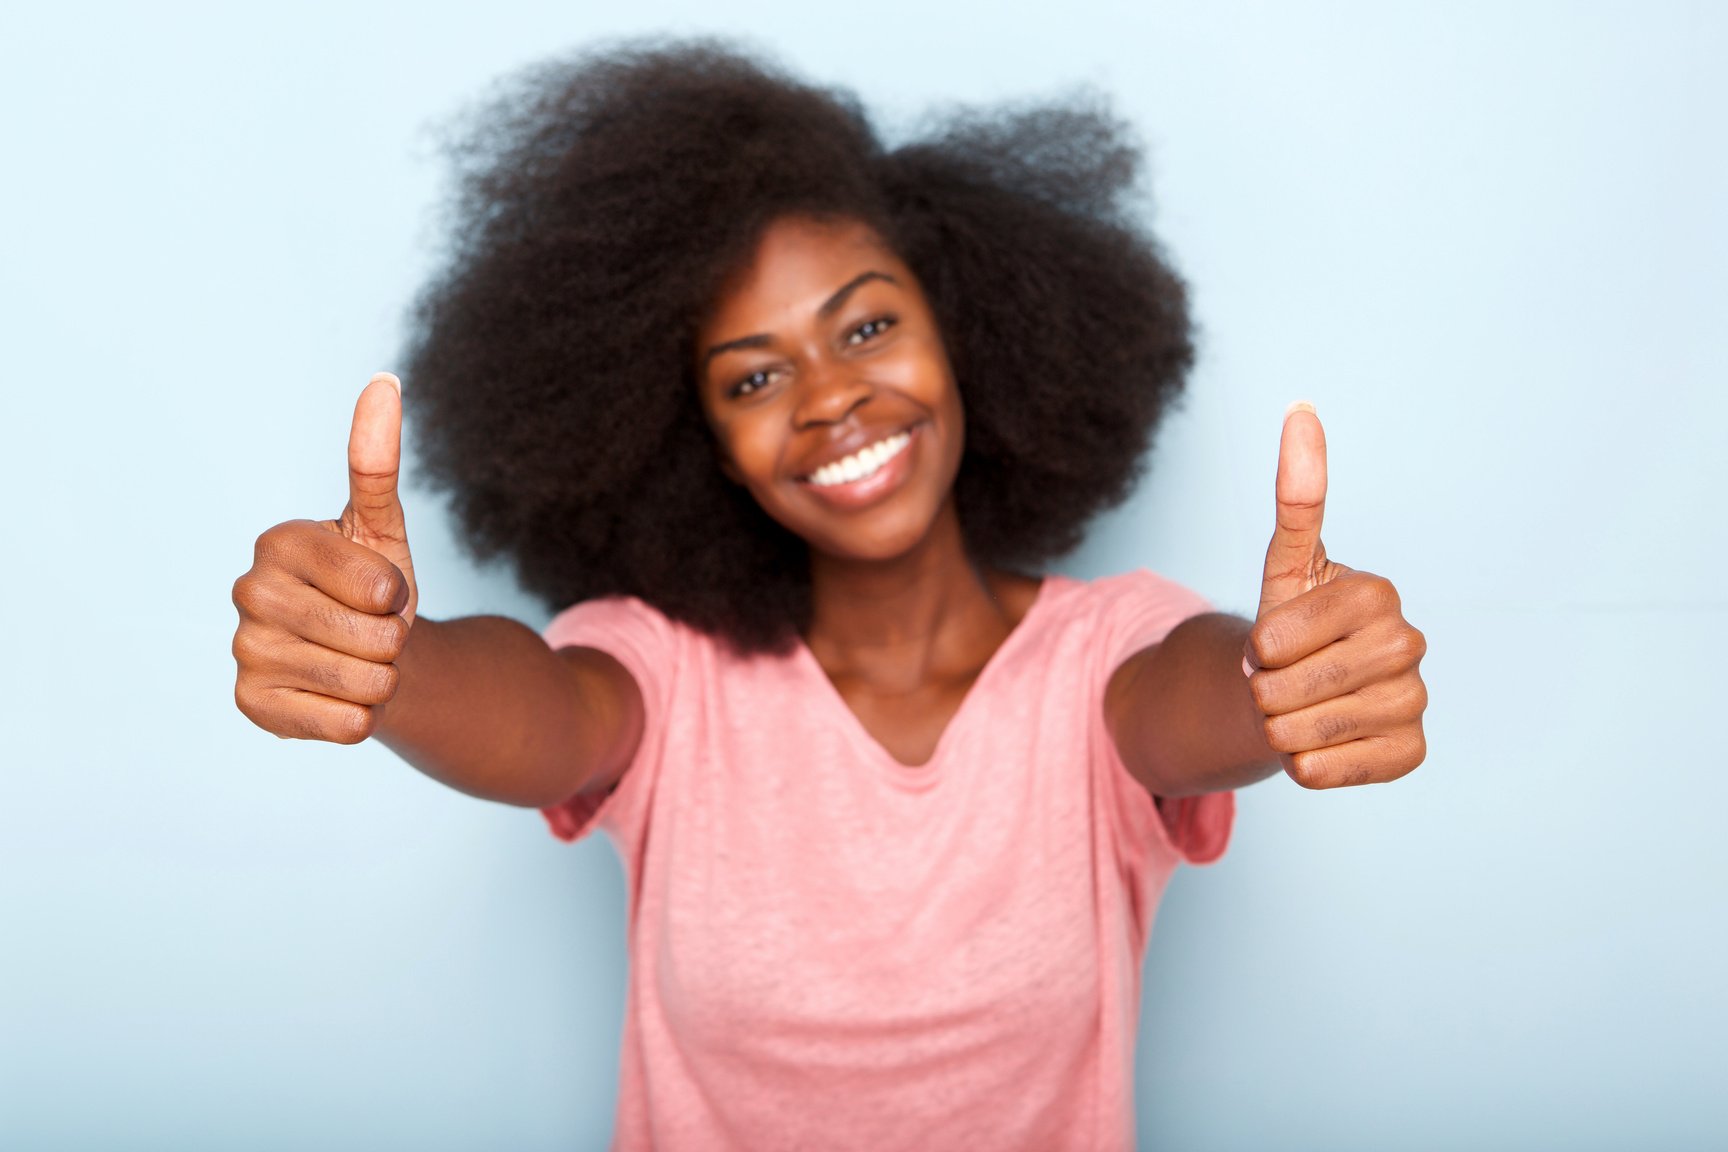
pixel 1331 661
pixel 327 605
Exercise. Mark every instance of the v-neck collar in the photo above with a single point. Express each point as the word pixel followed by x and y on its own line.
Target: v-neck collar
pixel 872 748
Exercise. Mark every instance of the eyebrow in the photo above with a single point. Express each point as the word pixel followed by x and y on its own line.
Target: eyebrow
pixel 829 306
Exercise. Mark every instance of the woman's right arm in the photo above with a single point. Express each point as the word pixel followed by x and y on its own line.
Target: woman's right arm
pixel 485 707
pixel 329 648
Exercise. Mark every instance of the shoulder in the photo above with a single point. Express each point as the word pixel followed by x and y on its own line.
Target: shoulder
pixel 667 657
pixel 592 623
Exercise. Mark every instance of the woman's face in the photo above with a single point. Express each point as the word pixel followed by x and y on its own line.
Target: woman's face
pixel 825 380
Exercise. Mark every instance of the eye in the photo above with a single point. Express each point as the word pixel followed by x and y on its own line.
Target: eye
pixel 756 380
pixel 869 330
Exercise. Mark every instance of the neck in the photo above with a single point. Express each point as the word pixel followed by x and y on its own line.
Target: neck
pixel 899 618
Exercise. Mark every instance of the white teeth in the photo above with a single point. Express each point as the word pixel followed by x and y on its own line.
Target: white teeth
pixel 861 463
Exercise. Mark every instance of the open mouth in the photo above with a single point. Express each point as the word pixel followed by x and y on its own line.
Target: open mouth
pixel 862 464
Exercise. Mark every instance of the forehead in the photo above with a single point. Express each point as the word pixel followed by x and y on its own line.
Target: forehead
pixel 797 264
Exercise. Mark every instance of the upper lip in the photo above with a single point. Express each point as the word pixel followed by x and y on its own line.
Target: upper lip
pixel 845 445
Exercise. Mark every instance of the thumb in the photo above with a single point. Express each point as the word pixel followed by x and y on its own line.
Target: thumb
pixel 374 514
pixel 1296 559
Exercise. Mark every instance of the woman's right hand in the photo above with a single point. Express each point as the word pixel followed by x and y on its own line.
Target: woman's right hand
pixel 327 605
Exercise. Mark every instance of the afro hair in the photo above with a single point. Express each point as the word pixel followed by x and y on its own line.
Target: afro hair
pixel 601 202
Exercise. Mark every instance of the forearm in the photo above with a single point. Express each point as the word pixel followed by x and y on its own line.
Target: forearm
pixel 483 706
pixel 1185 722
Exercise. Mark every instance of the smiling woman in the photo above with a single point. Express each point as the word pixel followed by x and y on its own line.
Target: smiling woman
pixel 838 412
pixel 788 423
pixel 609 204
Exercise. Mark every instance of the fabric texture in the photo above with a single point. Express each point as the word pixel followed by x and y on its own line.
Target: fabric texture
pixel 833 950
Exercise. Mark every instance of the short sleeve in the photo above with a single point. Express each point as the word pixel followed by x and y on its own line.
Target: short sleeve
pixel 1138 609
pixel 643 640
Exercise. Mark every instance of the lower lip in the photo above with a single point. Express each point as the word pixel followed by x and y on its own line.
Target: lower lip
pixel 872 488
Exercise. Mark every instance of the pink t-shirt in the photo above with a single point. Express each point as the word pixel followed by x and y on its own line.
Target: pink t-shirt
pixel 831 950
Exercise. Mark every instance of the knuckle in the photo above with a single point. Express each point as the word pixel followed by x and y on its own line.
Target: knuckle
pixel 245 647
pixel 381 589
pixel 1383 594
pixel 352 625
pixel 392 635
pixel 360 573
pixel 1308 770
pixel 1278 734
pixel 1324 678
pixel 380 687
pixel 1332 728
pixel 1285 633
pixel 1308 609
pixel 341 723
pixel 243 700
pixel 253 705
pixel 1263 688
pixel 325 675
pixel 376 582
pixel 352 724
pixel 308 723
pixel 1408 647
pixel 259 597
pixel 246 592
pixel 1418 751
pixel 278 539
pixel 267 543
pixel 1262 644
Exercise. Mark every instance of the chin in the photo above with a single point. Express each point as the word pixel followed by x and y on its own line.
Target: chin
pixel 869 543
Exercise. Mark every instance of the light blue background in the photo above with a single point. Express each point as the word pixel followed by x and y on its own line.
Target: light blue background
pixel 1487 240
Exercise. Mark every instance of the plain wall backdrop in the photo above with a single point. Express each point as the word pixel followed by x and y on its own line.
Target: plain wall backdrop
pixel 1487 240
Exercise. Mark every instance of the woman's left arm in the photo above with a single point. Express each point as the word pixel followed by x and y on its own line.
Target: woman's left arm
pixel 1324 683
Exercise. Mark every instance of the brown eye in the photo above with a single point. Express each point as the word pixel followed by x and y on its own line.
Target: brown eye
pixel 869 330
pixel 748 385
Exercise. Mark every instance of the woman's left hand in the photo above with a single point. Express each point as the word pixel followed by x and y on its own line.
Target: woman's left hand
pixel 1332 662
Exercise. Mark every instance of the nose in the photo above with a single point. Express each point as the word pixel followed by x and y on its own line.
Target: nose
pixel 827 395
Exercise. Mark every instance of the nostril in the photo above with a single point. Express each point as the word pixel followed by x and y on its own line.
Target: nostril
pixel 829 403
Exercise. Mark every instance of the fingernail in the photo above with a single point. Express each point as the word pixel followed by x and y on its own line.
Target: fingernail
pixel 390 376
pixel 1299 406
pixel 1247 668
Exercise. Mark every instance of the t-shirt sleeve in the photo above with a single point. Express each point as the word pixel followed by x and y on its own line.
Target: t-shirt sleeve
pixel 1139 609
pixel 644 641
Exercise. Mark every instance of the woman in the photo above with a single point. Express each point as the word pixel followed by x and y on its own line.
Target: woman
pixel 790 421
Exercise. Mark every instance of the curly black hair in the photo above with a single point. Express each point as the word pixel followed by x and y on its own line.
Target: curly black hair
pixel 600 203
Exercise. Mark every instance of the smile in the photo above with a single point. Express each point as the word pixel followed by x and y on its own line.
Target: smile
pixel 867 461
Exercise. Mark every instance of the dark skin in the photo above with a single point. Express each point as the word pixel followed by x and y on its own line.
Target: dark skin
pixel 823 346
pixel 822 374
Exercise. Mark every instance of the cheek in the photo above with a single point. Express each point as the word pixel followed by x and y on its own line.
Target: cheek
pixel 954 409
pixel 953 413
pixel 941 393
pixel 749 452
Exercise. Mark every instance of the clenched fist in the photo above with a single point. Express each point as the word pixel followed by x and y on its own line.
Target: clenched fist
pixel 327 605
pixel 1332 662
